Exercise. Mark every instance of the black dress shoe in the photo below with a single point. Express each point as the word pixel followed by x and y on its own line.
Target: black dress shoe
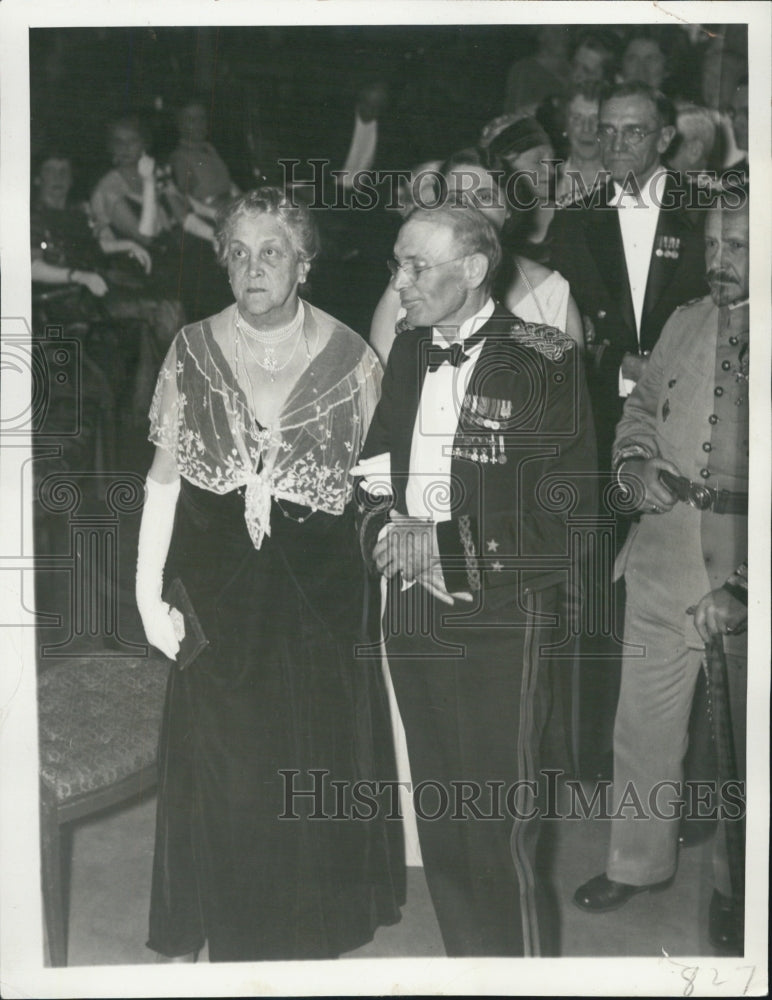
pixel 724 928
pixel 602 894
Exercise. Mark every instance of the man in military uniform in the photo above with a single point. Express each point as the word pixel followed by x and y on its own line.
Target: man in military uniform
pixel 484 437
pixel 682 446
pixel 631 253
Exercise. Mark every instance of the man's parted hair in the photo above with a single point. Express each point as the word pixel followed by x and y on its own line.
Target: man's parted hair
pixel 663 106
pixel 472 232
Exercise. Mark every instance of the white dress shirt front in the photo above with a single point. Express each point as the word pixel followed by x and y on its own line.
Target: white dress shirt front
pixel 429 488
pixel 638 219
pixel 361 154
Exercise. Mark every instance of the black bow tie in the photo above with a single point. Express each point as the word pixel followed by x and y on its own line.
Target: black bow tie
pixel 455 354
pixel 439 355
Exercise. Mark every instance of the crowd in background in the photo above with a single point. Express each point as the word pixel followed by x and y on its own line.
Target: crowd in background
pixel 128 204
pixel 142 139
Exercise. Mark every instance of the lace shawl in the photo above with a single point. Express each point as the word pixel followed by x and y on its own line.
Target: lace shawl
pixel 200 415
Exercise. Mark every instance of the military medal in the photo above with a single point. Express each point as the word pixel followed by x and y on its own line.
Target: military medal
pixel 669 247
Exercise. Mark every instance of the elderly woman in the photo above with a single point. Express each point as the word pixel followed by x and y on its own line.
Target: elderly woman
pixel 259 414
pixel 528 289
pixel 583 169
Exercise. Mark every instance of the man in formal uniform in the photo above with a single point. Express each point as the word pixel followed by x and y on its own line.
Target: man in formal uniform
pixel 485 439
pixel 682 449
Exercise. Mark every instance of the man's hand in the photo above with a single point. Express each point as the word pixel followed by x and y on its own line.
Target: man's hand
pixel 634 365
pixel 641 477
pixel 719 613
pixel 434 582
pixel 409 546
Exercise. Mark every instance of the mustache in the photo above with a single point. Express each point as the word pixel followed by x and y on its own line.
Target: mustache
pixel 720 276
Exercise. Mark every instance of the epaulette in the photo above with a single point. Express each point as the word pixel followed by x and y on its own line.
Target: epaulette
pixel 692 302
pixel 550 341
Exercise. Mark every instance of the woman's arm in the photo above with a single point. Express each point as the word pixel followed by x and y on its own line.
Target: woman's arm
pixel 53 274
pixel 164 468
pixel 148 219
pixel 110 244
pixel 574 325
pixel 155 533
pixel 124 221
pixel 382 328
pixel 202 209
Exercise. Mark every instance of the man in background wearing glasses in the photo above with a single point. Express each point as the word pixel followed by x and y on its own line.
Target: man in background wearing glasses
pixel 634 253
pixel 484 442
pixel 631 256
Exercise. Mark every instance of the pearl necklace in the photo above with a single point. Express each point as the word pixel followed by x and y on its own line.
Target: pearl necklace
pixel 268 340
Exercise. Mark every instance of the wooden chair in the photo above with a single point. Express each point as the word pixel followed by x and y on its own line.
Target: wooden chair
pixel 99 719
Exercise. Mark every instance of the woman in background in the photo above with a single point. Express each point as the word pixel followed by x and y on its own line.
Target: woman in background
pixel 199 171
pixel 527 152
pixel 139 201
pixel 106 285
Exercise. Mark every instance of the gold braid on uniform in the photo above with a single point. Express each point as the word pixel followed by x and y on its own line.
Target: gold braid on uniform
pixel 548 340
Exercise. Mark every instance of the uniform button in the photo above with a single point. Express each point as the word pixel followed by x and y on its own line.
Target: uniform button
pixel 705 473
pixel 726 365
pixel 707 446
pixel 734 341
pixel 718 391
pixel 713 419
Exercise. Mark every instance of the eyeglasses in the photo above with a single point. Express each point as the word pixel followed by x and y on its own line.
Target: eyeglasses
pixel 412 271
pixel 632 135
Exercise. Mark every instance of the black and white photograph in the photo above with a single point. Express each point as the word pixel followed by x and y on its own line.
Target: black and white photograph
pixel 385 498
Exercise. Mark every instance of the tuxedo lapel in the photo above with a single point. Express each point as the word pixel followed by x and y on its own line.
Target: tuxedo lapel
pixel 410 379
pixel 669 244
pixel 604 240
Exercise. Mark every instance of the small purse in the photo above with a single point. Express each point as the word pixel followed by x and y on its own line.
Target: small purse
pixel 186 624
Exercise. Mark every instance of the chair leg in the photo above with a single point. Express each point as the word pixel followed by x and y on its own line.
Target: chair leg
pixel 53 889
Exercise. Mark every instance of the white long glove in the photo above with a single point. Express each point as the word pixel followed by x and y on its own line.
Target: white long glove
pixel 155 534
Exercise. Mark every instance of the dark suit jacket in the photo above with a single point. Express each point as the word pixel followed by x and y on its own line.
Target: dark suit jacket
pixel 523 458
pixel 587 249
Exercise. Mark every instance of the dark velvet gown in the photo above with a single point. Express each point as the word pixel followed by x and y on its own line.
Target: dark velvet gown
pixel 278 703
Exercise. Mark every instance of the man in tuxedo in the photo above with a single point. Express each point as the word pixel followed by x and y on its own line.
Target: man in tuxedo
pixel 634 253
pixel 357 231
pixel 631 255
pixel 483 438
